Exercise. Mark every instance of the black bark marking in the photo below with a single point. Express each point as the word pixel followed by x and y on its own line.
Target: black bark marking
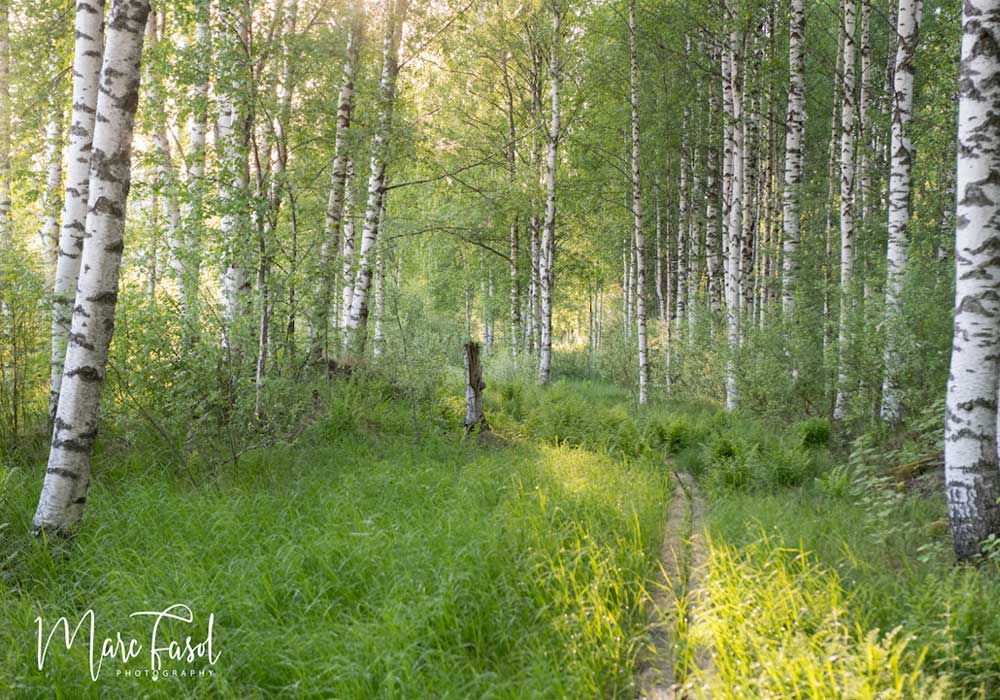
pixel 86 373
pixel 64 473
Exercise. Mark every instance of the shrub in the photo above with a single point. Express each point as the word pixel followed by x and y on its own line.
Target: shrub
pixel 814 432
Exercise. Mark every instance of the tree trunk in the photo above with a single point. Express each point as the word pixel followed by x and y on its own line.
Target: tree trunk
pixel 735 220
pixel 64 491
pixel 357 321
pixel 192 212
pixel 378 339
pixel 846 208
pixel 971 468
pixel 335 205
pixel 902 153
pixel 835 112
pixel 475 419
pixel 87 52
pixel 640 243
pixel 795 121
pixel 348 247
pixel 52 202
pixel 712 260
pixel 234 134
pixel 546 268
pixel 166 174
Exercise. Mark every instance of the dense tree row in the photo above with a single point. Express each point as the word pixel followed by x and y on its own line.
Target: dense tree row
pixel 765 183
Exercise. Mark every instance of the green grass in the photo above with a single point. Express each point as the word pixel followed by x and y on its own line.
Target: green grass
pixel 384 556
pixel 868 562
pixel 380 557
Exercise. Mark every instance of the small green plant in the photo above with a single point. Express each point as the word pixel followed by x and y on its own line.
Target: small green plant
pixel 814 433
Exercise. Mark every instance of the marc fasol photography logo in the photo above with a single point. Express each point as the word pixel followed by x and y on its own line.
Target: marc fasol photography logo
pixel 167 651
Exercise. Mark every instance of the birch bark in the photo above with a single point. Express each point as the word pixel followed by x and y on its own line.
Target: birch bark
pixel 547 259
pixel 88 50
pixel 901 150
pixel 67 477
pixel 971 465
pixel 846 207
pixel 795 119
pixel 357 321
pixel 640 243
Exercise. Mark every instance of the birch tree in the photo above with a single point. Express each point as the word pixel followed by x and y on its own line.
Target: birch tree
pixel 88 50
pixel 846 206
pixel 734 102
pixel 52 189
pixel 901 154
pixel 233 137
pixel 192 211
pixel 795 118
pixel 547 244
pixel 67 477
pixel 357 321
pixel 640 244
pixel 335 205
pixel 971 465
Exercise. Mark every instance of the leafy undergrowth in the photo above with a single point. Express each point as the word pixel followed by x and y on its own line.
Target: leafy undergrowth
pixel 381 556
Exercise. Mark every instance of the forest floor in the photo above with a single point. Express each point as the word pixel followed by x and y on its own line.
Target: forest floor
pixel 383 555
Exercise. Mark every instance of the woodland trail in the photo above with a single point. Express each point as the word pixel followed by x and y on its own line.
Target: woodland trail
pixel 670 667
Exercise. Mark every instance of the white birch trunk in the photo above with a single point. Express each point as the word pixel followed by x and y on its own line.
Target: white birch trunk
pixel 902 153
pixel 546 271
pixel 712 260
pixel 735 221
pixel 378 338
pixel 347 254
pixel 335 204
pixel 795 120
pixel 846 207
pixel 971 465
pixel 52 189
pixel 87 52
pixel 357 321
pixel 640 243
pixel 64 491
pixel 192 211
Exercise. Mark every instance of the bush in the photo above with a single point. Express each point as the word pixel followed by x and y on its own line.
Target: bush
pixel 814 432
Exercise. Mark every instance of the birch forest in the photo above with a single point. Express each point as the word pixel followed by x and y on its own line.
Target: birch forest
pixel 500 349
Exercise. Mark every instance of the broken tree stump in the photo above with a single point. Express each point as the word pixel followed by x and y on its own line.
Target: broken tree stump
pixel 475 420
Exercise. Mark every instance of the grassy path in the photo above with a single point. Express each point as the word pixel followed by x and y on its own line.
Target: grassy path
pixel 671 666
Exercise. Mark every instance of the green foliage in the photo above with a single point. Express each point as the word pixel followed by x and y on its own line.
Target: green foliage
pixel 814 432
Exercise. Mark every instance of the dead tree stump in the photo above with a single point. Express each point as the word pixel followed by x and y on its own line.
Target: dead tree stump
pixel 475 420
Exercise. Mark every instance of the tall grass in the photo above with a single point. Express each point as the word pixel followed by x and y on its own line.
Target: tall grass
pixel 380 557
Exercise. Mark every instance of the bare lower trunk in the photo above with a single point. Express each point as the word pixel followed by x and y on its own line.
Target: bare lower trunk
pixel 971 467
pixel 846 207
pixel 902 154
pixel 67 477
pixel 475 419
pixel 546 271
pixel 640 244
pixel 735 220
